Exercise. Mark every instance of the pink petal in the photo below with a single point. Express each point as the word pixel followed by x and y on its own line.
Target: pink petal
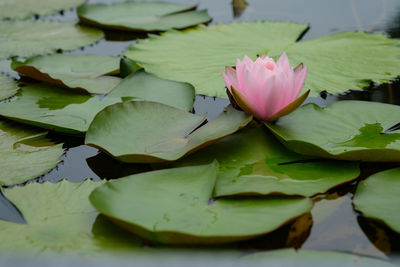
pixel 240 66
pixel 230 78
pixel 300 77
pixel 271 96
pixel 250 87
pixel 283 63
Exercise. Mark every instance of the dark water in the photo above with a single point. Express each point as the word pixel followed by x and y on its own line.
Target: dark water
pixel 333 224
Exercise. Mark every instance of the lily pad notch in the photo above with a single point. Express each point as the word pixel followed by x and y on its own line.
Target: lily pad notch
pixel 145 132
pixel 173 206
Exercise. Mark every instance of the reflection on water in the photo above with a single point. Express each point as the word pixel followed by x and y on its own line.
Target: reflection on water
pixel 380 235
pixel 238 7
pixel 393 27
pixel 336 228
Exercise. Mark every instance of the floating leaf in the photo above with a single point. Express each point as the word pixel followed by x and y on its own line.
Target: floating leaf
pixel 378 197
pixel 145 86
pixel 173 206
pixel 141 16
pixel 289 257
pixel 59 220
pixel 71 111
pixel 347 60
pixel 253 162
pixel 26 8
pixel 54 108
pixel 8 87
pixel 199 55
pixel 85 72
pixel 25 153
pixel 138 131
pixel 346 130
pixel 30 38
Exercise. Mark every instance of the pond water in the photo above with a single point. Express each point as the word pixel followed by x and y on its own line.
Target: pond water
pixel 334 224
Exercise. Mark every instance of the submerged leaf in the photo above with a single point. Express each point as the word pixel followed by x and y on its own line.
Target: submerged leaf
pixel 173 206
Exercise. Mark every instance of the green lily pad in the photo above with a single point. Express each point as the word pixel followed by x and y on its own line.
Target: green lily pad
pixel 30 38
pixel 346 130
pixel 71 111
pixel 253 162
pixel 347 60
pixel 54 108
pixel 378 197
pixel 141 16
pixel 145 86
pixel 336 62
pixel 84 72
pixel 59 221
pixel 25 153
pixel 198 56
pixel 289 257
pixel 173 206
pixel 142 132
pixel 25 8
pixel 8 86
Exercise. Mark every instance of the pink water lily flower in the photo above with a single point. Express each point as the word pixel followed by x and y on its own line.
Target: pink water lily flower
pixel 266 89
